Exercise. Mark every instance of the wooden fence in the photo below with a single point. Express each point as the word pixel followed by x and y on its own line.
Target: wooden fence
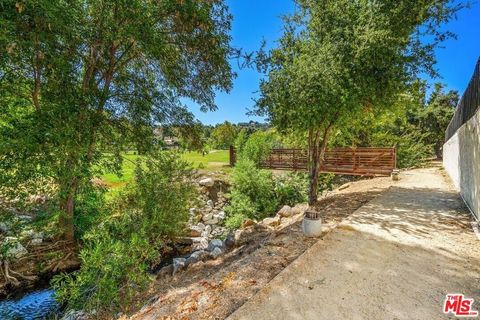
pixel 349 161
pixel 468 105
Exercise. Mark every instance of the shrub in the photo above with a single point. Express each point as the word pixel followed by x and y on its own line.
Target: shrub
pixel 291 188
pixel 239 209
pixel 89 209
pixel 255 184
pixel 117 252
pixel 258 146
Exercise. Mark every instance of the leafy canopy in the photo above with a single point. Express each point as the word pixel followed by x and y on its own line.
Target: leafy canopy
pixel 340 57
pixel 80 78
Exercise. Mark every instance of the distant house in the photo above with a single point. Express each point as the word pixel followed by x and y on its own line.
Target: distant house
pixel 252 125
pixel 171 142
pixel 168 142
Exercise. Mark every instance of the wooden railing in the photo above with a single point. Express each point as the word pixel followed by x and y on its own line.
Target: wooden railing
pixel 349 161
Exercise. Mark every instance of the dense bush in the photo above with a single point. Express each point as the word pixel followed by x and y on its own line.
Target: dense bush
pixel 291 188
pixel 116 254
pixel 257 186
pixel 257 194
pixel 258 146
pixel 90 209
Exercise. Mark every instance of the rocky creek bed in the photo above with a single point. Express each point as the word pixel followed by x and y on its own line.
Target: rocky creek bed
pixel 210 288
pixel 208 257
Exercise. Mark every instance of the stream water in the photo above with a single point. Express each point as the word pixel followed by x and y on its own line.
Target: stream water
pixel 32 306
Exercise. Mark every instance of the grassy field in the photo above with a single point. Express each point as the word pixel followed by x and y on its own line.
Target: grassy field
pixel 215 160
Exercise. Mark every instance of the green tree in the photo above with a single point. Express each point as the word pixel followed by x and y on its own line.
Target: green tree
pixel 435 117
pixel 118 252
pixel 341 59
pixel 223 135
pixel 80 77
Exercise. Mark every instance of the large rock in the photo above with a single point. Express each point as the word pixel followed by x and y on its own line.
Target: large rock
pixel 299 209
pixel 212 221
pixel 178 264
pixel 217 252
pixel 196 256
pixel 36 241
pixel 218 231
pixel 285 212
pixel 14 247
pixel 220 215
pixel 207 216
pixel 200 243
pixel 206 232
pixel 206 182
pixel 247 223
pixel 4 227
pixel 75 315
pixel 215 243
pixel 229 241
pixel 196 230
pixel 210 203
pixel 271 222
pixel 165 271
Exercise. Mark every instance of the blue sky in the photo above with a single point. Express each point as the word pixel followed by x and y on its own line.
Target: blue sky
pixel 257 20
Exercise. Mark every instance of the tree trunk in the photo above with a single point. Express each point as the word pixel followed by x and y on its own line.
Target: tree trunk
pixel 439 150
pixel 313 154
pixel 317 149
pixel 67 207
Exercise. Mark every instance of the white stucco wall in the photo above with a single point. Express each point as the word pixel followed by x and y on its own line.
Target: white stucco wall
pixel 461 159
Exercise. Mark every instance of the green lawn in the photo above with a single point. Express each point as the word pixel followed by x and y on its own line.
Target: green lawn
pixel 215 160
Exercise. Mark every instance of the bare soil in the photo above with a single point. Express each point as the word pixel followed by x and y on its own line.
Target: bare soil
pixel 397 257
pixel 215 289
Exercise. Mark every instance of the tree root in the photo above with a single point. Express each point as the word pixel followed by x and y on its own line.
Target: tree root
pixel 8 275
pixel 61 260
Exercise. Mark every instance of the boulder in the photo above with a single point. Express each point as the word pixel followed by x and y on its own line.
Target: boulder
pixel 299 209
pixel 75 315
pixel 210 203
pixel 212 221
pixel 4 227
pixel 217 252
pixel 215 243
pixel 15 248
pixel 200 243
pixel 36 241
pixel 220 215
pixel 247 223
pixel 206 232
pixel 206 182
pixel 285 212
pixel 196 256
pixel 229 241
pixel 178 264
pixel 207 216
pixel 165 271
pixel 271 222
pixel 195 231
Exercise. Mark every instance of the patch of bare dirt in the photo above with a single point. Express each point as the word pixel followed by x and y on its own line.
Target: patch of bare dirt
pixel 214 289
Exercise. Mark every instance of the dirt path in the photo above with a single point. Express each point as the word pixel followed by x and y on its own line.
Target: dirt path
pixel 394 258
pixel 215 289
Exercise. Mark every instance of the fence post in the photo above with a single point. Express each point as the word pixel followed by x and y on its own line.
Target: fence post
pixel 232 156
pixel 354 160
